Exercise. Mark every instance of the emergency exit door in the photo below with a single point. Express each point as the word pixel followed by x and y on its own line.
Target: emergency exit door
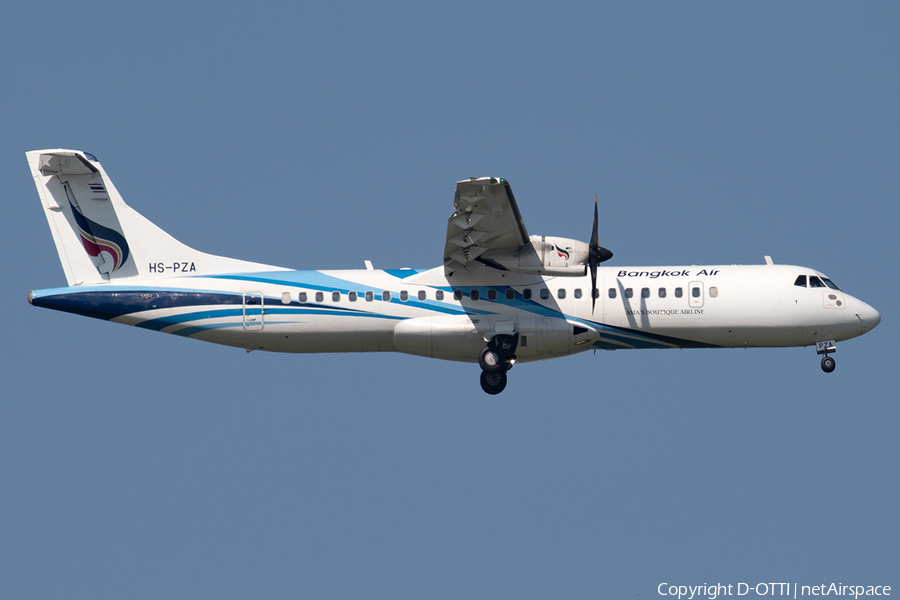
pixel 695 294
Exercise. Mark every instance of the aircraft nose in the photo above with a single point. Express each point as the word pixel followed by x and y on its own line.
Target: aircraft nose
pixel 868 315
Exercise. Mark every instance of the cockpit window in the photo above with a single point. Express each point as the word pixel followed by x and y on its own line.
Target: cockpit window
pixel 815 282
pixel 800 281
pixel 830 284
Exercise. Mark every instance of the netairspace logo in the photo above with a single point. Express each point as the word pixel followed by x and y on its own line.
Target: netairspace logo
pixel 794 590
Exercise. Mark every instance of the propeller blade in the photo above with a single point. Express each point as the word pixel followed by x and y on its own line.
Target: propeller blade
pixel 597 255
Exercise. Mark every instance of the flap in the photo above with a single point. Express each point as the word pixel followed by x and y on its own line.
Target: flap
pixel 486 218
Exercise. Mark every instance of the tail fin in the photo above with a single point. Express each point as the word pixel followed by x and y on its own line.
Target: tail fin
pixel 100 238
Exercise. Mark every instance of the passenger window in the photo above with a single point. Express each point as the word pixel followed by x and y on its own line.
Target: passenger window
pixel 695 292
pixel 439 295
pixel 386 296
pixel 336 296
pixel 352 296
pixel 800 281
pixel 510 294
pixel 645 292
pixel 612 292
pixel 474 294
pixel 561 293
pixel 662 292
pixel 421 295
pixel 545 293
pixel 678 293
pixel 815 282
pixel 302 297
pixel 404 296
pixel 578 292
pixel 629 292
pixel 320 296
pixel 370 296
pixel 286 298
pixel 713 292
pixel 492 294
pixel 457 294
pixel 526 293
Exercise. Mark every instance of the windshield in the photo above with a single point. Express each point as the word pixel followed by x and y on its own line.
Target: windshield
pixel 815 281
pixel 830 284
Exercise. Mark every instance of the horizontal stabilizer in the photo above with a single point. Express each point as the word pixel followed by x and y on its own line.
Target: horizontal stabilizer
pixel 65 163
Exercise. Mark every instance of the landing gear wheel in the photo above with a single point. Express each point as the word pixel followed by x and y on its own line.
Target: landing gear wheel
pixel 828 364
pixel 493 383
pixel 491 361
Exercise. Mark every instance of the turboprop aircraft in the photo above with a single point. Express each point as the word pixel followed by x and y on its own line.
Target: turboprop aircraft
pixel 501 297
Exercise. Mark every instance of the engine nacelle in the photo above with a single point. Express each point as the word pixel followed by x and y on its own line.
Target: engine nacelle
pixel 544 255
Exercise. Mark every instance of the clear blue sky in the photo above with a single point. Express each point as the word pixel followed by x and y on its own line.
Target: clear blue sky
pixel 135 464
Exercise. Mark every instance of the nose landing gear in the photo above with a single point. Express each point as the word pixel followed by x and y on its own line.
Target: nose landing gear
pixel 495 360
pixel 826 348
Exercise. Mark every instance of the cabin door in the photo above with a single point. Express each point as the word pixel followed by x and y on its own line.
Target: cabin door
pixel 253 312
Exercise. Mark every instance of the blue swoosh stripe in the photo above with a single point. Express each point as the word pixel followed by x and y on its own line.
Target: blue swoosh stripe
pixel 344 287
pixel 161 323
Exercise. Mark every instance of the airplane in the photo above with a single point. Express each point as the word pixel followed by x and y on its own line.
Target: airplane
pixel 500 297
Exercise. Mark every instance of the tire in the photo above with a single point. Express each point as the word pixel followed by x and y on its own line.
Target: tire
pixel 493 383
pixel 491 361
pixel 828 364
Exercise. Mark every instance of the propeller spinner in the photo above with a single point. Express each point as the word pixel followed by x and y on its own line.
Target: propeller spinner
pixel 598 254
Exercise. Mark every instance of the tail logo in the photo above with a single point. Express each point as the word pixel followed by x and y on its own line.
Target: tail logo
pixel 96 239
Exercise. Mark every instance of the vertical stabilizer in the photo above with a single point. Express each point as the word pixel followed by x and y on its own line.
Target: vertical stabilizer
pixel 99 238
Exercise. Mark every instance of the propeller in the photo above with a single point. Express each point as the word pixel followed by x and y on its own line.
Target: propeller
pixel 597 255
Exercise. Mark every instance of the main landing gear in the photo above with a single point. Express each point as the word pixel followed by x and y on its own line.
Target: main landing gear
pixel 495 360
pixel 826 348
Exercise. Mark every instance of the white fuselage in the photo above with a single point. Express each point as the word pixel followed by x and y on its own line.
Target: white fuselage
pixel 424 313
pixel 500 296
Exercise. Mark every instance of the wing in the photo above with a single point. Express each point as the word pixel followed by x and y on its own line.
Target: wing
pixel 486 218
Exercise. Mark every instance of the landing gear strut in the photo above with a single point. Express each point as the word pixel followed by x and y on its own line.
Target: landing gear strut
pixel 495 360
pixel 826 348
